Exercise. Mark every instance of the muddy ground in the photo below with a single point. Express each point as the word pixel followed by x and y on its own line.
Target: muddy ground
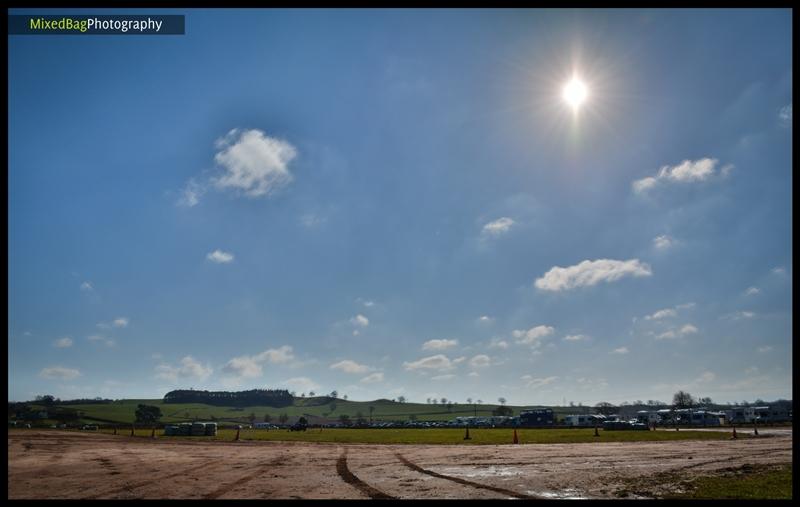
pixel 60 464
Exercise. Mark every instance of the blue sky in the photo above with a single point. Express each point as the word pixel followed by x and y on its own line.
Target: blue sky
pixel 400 202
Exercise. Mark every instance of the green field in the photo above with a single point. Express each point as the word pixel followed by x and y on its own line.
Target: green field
pixel 747 482
pixel 444 436
pixel 123 411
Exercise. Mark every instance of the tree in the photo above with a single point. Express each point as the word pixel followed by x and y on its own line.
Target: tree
pixel 311 393
pixel 360 421
pixel 344 419
pixel 480 402
pixel 401 399
pixel 283 418
pixel 302 421
pixel 428 401
pixel 47 399
pixel 267 418
pixel 443 400
pixel 147 414
pixel 605 408
pixel 252 417
pixel 501 400
pixel 469 400
pixel 682 399
pixel 705 401
pixel 344 397
pixel 334 393
pixel 449 406
pixel 302 395
pixel 503 410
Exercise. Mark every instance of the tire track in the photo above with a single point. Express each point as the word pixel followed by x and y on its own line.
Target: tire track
pixel 225 488
pixel 465 482
pixel 724 460
pixel 350 478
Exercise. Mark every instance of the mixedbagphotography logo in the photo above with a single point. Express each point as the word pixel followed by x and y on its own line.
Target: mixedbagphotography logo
pixel 121 24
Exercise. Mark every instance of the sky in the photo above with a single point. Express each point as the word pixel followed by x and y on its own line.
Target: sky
pixel 401 203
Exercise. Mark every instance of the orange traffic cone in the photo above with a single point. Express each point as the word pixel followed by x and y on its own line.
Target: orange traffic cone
pixel 516 440
pixel 466 434
pixel 734 433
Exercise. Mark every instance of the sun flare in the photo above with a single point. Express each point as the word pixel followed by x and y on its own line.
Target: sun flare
pixel 575 93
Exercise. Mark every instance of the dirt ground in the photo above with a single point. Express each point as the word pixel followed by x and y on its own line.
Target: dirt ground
pixel 60 464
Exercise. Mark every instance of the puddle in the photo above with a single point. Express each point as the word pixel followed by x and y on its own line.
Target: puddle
pixel 564 494
pixel 491 471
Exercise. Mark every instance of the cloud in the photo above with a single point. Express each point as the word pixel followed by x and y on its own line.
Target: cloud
pixel 446 376
pixel 661 314
pixel 743 314
pixel 439 344
pixel 686 172
pixel 589 273
pixel 280 355
pixel 349 366
pixel 707 376
pixel 752 291
pixel 191 194
pixel 766 348
pixel 373 378
pixel 621 350
pixel 63 343
pixel 498 343
pixel 485 319
pixel 663 242
pixel 243 366
pixel 87 286
pixel 120 322
pixel 480 361
pixel 785 114
pixel 535 383
pixel 473 374
pixel 437 362
pixel 497 227
pixel 780 270
pixel 532 336
pixel 59 373
pixel 220 257
pixel 253 163
pixel 676 333
pixel 302 384
pixel 576 337
pixel 311 220
pixel 360 320
pixel 99 338
pixel 189 368
pixel 688 329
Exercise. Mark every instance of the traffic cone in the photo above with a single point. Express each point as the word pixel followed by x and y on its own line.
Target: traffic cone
pixel 237 433
pixel 734 433
pixel 516 440
pixel 595 431
pixel 466 434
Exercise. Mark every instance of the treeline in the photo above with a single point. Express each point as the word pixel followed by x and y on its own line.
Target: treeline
pixel 266 397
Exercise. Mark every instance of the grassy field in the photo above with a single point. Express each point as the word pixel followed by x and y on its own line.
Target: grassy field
pixel 446 436
pixel 747 482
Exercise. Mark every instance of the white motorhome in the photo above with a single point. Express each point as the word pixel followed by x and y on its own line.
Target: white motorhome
pixel 584 420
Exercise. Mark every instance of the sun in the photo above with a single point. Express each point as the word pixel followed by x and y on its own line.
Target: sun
pixel 575 93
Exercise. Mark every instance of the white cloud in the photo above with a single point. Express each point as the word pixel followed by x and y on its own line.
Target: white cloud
pixel 780 270
pixel 497 227
pixel 535 383
pixel 102 339
pixel 373 378
pixel 743 314
pixel 191 194
pixel 120 322
pixel 676 333
pixel 663 242
pixel 189 368
pixel 498 343
pixel 302 384
pixel 576 337
pixel 439 344
pixel 437 362
pixel 220 257
pixel 473 374
pixel 63 343
pixel 243 366
pixel 485 319
pixel 666 335
pixel 446 376
pixel 707 376
pixel 459 360
pixel 311 220
pixel 688 329
pixel 532 336
pixel 752 291
pixel 589 273
pixel 360 320
pixel 765 348
pixel 480 361
pixel 621 350
pixel 785 114
pixel 87 286
pixel 686 172
pixel 253 163
pixel 349 366
pixel 282 354
pixel 685 306
pixel 59 373
pixel 661 314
